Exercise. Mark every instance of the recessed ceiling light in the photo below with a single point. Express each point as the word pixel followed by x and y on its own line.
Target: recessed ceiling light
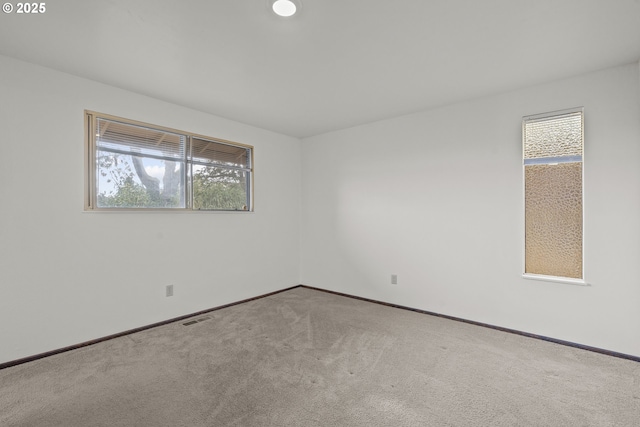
pixel 284 8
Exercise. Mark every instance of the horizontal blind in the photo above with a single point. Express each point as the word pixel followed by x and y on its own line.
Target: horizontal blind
pixel 126 138
pixel 213 152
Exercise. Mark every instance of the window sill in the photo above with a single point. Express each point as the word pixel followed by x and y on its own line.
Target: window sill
pixel 167 211
pixel 565 280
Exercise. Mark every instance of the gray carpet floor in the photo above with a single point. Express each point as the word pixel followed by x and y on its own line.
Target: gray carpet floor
pixel 309 358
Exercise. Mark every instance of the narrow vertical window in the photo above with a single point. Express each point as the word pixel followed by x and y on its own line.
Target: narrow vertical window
pixel 552 158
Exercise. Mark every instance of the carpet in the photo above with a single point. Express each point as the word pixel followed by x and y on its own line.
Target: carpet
pixel 304 357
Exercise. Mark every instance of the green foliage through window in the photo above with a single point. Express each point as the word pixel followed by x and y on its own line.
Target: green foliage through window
pixel 137 166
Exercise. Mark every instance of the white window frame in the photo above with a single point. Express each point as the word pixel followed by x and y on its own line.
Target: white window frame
pixel 542 277
pixel 91 189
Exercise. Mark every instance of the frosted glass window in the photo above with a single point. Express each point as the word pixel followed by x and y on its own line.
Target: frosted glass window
pixel 552 157
pixel 553 136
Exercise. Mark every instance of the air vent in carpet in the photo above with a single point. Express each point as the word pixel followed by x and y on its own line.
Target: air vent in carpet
pixel 193 322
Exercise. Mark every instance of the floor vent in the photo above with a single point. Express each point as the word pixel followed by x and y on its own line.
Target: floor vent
pixel 193 322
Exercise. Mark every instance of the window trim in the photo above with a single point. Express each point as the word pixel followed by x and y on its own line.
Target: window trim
pixel 542 277
pixel 555 279
pixel 90 190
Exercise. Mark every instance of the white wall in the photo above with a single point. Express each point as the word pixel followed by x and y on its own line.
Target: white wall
pixel 68 276
pixel 436 197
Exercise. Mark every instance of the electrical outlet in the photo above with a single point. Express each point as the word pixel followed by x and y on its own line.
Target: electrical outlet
pixel 394 279
pixel 169 290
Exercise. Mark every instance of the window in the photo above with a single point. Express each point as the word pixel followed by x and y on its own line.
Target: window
pixel 132 165
pixel 552 159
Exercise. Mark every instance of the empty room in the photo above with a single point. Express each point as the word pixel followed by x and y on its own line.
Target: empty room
pixel 320 213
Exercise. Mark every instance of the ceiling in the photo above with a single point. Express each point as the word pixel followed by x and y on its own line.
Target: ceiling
pixel 336 64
